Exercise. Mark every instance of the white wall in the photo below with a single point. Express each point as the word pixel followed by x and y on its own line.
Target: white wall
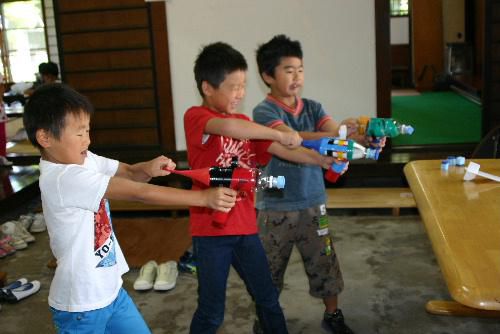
pixel 337 36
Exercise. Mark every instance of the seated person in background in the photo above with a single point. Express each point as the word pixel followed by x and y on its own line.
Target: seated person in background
pixel 3 131
pixel 47 73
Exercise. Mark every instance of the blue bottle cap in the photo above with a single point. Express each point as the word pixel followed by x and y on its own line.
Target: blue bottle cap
pixel 460 161
pixel 372 153
pixel 409 130
pixel 445 164
pixel 280 182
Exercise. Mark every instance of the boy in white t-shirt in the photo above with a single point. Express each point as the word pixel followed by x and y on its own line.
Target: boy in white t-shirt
pixel 86 294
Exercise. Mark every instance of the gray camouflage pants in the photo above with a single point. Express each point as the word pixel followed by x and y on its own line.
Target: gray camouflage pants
pixel 308 230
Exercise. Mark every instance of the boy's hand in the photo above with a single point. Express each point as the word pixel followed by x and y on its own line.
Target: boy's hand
pixel 346 165
pixel 290 139
pixel 220 198
pixel 379 144
pixel 158 166
pixel 352 125
pixel 325 161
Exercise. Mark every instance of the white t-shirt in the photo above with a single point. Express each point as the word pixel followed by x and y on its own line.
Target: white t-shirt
pixel 90 262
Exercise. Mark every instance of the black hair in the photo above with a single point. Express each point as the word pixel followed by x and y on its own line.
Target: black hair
pixel 48 68
pixel 214 62
pixel 47 108
pixel 269 54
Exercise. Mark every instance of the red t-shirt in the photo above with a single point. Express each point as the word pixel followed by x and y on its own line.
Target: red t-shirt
pixel 207 150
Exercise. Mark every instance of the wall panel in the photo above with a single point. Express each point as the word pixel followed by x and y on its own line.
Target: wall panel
pixel 115 53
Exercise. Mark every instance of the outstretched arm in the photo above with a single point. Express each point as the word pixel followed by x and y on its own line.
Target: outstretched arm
pixel 144 171
pixel 301 155
pixel 220 198
pixel 243 129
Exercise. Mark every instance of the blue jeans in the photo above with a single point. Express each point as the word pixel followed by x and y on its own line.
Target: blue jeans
pixel 120 317
pixel 214 256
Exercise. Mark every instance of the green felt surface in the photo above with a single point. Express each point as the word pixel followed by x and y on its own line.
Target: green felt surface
pixel 438 118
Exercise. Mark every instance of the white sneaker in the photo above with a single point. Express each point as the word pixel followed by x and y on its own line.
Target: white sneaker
pixel 4 161
pixel 38 225
pixel 25 290
pixel 22 232
pixel 11 229
pixel 146 277
pixel 25 220
pixel 166 276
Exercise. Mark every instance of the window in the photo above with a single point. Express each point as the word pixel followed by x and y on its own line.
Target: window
pixel 399 7
pixel 22 37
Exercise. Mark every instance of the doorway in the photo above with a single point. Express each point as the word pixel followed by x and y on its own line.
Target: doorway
pixel 438 65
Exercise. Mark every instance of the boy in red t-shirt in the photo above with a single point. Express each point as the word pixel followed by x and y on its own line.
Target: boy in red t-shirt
pixel 215 133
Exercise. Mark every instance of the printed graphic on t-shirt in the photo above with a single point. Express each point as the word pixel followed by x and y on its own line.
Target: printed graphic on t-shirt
pixel 104 239
pixel 234 147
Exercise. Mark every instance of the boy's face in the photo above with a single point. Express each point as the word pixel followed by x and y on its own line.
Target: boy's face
pixel 288 78
pixel 228 96
pixel 72 146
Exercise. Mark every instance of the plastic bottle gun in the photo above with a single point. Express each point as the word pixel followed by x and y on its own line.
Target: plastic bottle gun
pixel 382 127
pixel 235 177
pixel 341 148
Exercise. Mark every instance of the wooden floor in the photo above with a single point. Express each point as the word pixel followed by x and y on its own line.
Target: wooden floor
pixel 152 238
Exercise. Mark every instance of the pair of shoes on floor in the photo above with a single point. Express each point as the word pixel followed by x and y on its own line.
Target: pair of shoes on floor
pixel 4 162
pixel 20 236
pixel 18 290
pixel 33 222
pixel 335 323
pixel 6 246
pixel 161 277
pixel 187 263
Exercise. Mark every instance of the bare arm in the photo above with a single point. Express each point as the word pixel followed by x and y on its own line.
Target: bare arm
pixel 329 129
pixel 144 171
pixel 300 155
pixel 243 129
pixel 219 198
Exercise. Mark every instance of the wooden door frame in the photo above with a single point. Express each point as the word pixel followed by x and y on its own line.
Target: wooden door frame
pixel 383 58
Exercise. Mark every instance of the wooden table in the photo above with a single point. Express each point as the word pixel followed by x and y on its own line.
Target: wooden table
pixel 462 219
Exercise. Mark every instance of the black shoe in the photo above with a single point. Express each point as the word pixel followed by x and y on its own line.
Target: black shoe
pixel 335 323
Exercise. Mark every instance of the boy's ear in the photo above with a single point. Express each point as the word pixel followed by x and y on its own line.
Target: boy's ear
pixel 206 88
pixel 267 78
pixel 43 138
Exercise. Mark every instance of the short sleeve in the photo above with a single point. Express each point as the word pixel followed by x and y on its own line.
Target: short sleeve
pixel 195 121
pixel 81 188
pixel 103 165
pixel 260 148
pixel 264 114
pixel 319 114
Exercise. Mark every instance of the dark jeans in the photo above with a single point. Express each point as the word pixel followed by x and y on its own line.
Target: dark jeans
pixel 214 256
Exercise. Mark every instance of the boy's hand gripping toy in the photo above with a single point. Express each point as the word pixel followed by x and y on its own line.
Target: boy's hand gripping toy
pixel 235 177
pixel 382 127
pixel 341 148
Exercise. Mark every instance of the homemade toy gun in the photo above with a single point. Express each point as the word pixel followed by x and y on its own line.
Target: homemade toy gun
pixel 382 127
pixel 235 177
pixel 342 149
